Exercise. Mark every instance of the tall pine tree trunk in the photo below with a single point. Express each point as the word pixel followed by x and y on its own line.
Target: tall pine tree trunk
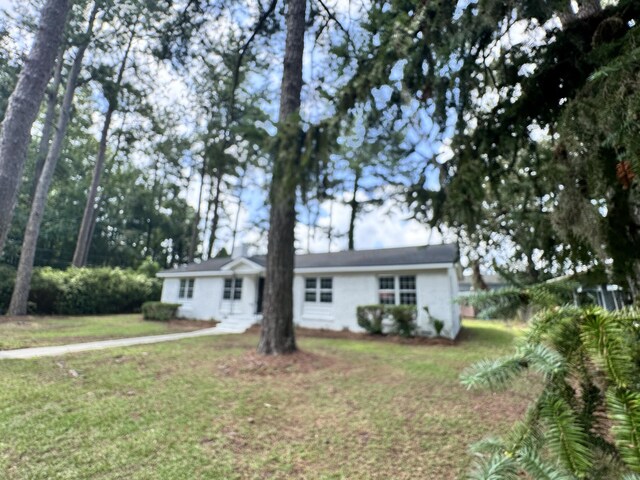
pixel 19 299
pixel 354 210
pixel 196 223
pixel 23 107
pixel 216 215
pixel 207 215
pixel 278 336
pixel 49 120
pixel 83 242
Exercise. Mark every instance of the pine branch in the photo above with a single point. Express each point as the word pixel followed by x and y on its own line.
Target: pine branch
pixel 566 437
pixel 624 411
pixel 604 337
pixel 496 467
pixel 493 374
pixel 544 360
pixel 533 465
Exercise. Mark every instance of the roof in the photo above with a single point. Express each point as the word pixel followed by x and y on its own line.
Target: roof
pixel 383 257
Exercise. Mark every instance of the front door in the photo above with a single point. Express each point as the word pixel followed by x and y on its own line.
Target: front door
pixel 260 294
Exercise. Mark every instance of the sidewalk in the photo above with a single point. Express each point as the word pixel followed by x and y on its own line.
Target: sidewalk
pixel 35 352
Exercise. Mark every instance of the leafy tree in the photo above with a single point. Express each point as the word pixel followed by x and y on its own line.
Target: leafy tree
pixel 111 86
pixel 511 88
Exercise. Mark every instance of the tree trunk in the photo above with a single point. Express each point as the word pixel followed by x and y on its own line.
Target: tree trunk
pixel 278 335
pixel 216 215
pixel 18 305
pixel 354 209
pixel 49 119
pixel 207 215
pixel 477 280
pixel 236 222
pixel 23 106
pixel 194 231
pixel 83 242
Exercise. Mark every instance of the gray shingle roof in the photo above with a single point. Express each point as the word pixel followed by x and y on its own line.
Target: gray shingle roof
pixel 446 253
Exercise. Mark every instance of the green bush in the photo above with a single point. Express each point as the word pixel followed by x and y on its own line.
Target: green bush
pixel 83 291
pixel 370 318
pixel 7 280
pixel 404 319
pixel 159 311
pixel 47 290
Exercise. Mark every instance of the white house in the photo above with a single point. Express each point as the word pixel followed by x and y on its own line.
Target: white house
pixel 328 287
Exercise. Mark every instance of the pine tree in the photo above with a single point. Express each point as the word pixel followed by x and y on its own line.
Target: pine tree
pixel 23 107
pixel 278 336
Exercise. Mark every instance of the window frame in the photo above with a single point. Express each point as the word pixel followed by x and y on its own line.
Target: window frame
pixel 397 291
pixel 407 291
pixel 314 292
pixel 232 289
pixel 186 288
pixel 387 291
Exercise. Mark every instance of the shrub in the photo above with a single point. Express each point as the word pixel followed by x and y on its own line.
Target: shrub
pixel 370 318
pixel 438 325
pixel 159 311
pixel 47 290
pixel 404 319
pixel 7 280
pixel 82 291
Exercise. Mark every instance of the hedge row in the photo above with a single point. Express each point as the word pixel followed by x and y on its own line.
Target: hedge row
pixel 401 317
pixel 83 291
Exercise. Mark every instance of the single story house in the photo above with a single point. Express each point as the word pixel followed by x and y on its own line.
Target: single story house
pixel 327 289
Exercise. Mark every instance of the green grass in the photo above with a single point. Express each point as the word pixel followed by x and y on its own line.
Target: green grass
pixel 39 331
pixel 205 408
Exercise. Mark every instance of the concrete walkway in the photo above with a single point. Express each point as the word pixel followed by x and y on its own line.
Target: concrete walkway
pixel 120 342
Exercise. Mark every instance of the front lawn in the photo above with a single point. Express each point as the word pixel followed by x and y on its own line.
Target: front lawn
pixel 210 408
pixel 22 332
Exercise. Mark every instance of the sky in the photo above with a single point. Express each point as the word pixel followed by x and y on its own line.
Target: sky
pixel 385 226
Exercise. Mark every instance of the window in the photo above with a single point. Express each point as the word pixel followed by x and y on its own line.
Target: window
pixel 186 288
pixel 310 289
pixel 407 290
pixel 399 290
pixel 232 289
pixel 318 289
pixel 326 290
pixel 387 290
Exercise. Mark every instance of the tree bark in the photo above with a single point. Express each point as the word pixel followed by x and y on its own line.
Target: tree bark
pixel 23 106
pixel 207 215
pixel 216 215
pixel 354 209
pixel 49 120
pixel 19 299
pixel 83 242
pixel 278 335
pixel 477 280
pixel 194 231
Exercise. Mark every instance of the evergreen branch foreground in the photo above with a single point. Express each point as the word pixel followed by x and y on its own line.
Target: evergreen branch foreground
pixel 585 424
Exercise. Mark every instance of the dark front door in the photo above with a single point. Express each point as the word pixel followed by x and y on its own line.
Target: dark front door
pixel 260 294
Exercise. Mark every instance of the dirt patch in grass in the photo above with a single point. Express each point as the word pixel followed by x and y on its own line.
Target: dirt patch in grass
pixel 254 364
pixel 347 335
pixel 186 324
